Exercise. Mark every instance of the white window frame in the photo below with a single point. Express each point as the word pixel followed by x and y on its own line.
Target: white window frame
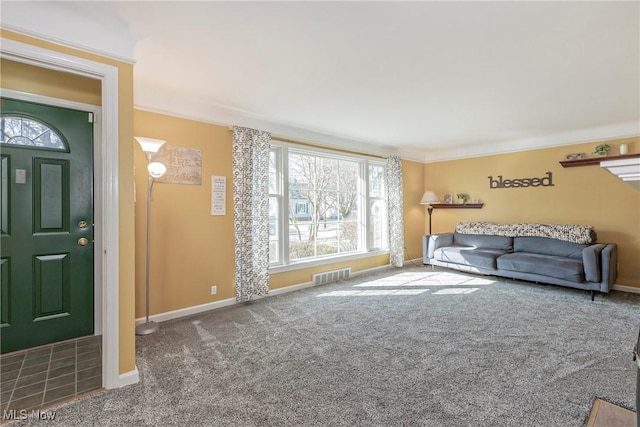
pixel 279 195
pixel 369 198
pixel 282 154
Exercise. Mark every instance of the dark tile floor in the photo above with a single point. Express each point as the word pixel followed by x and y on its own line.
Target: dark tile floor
pixel 38 377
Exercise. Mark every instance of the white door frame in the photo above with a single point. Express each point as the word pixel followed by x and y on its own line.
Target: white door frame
pixel 106 200
pixel 96 210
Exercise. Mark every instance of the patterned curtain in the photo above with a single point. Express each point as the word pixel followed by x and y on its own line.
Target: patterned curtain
pixel 396 222
pixel 251 211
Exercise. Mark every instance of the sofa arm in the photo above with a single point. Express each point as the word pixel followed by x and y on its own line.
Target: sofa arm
pixel 432 242
pixel 591 262
pixel 609 262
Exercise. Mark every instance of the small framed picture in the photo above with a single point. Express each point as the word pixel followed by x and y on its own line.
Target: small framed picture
pixel 448 198
pixel 574 156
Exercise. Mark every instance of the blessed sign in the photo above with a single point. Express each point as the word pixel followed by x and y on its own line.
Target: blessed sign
pixel 499 182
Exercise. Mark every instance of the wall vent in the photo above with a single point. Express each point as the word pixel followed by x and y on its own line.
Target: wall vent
pixel 331 276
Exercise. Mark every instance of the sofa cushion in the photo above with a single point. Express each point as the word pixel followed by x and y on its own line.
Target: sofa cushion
pixel 483 241
pixel 483 258
pixel 554 266
pixel 547 246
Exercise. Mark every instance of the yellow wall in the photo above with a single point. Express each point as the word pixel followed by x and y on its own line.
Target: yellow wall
pixel 588 195
pixel 55 84
pixel 192 250
pixel 414 213
pixel 40 82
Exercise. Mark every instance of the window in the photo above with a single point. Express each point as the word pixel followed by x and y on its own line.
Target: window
pixel 324 204
pixel 21 131
pixel 302 208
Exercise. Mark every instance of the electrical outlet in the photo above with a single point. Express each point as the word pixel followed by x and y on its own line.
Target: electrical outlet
pixel 214 290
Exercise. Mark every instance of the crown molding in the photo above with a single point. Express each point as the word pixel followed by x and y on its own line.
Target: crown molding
pixel 67 44
pixel 582 136
pixel 177 105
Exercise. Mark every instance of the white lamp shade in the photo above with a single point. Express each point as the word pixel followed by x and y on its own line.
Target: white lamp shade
pixel 156 169
pixel 429 197
pixel 150 146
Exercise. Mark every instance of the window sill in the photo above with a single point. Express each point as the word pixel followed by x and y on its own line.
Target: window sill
pixel 299 265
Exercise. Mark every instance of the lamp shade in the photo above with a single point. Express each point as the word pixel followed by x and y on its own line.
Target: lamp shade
pixel 156 169
pixel 429 197
pixel 150 146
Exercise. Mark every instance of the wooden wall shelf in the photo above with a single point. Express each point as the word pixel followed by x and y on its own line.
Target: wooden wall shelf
pixel 594 160
pixel 456 205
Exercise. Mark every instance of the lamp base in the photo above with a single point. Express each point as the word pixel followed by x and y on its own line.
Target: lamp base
pixel 147 328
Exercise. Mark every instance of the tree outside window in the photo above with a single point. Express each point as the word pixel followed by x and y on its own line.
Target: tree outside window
pixel 327 211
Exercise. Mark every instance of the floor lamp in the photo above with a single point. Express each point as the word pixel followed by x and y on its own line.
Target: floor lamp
pixel 156 170
pixel 427 198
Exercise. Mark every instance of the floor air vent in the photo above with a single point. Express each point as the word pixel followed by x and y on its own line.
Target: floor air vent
pixel 331 276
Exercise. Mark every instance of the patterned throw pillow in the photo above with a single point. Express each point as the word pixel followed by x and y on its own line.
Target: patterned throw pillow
pixel 584 234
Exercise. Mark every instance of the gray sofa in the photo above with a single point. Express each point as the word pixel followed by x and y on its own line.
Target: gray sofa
pixel 590 266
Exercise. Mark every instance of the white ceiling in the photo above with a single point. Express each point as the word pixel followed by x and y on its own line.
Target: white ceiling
pixel 426 80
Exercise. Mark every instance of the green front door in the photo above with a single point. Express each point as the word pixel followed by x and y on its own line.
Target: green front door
pixel 46 222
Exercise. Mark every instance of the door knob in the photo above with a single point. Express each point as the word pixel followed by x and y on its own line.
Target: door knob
pixel 83 241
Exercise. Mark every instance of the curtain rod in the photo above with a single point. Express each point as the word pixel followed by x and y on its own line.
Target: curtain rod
pixel 310 144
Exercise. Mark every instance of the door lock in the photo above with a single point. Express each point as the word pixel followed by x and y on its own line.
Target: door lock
pixel 83 241
pixel 82 224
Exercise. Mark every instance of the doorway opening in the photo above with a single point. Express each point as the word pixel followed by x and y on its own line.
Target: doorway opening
pixel 106 161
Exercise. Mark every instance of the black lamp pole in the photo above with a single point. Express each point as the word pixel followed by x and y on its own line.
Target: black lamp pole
pixel 430 210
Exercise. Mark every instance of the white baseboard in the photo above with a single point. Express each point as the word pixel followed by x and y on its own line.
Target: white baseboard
pixel 175 314
pixel 299 286
pixel 188 311
pixel 196 309
pixel 291 288
pixel 370 270
pixel 129 378
pixel 623 288
pixel 183 312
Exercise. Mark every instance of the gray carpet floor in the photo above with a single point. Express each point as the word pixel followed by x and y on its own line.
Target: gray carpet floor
pixel 399 347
